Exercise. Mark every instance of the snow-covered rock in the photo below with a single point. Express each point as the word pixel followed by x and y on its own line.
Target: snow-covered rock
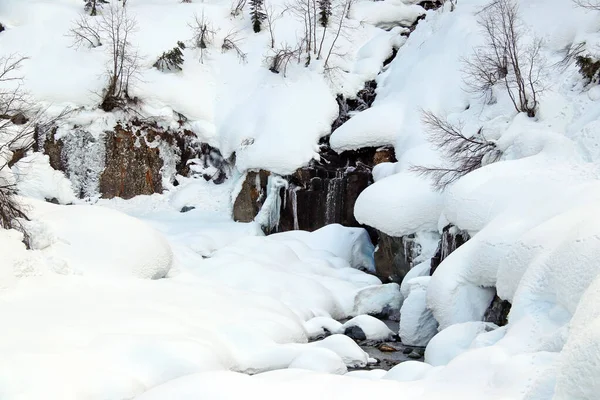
pixel 378 299
pixel 454 340
pixel 417 324
pixel 320 360
pixel 373 328
pixel 101 242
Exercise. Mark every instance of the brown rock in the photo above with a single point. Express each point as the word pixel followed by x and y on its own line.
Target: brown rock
pixel 387 348
pixel 251 197
pixel 384 154
pixel 132 167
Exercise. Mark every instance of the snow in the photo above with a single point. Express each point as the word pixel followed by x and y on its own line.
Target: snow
pixel 346 348
pixel 407 204
pixel 320 360
pixel 133 299
pixel 373 328
pixel 318 326
pixel 42 182
pixel 373 299
pixel 408 371
pixel 417 324
pixel 351 244
pixel 453 341
pixel 134 249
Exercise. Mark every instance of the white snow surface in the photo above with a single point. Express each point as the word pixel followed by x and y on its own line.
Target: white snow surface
pixel 133 299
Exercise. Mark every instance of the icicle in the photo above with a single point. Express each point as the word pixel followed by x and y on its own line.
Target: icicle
pixel 295 206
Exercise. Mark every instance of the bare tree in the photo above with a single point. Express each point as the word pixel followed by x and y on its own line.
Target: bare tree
pixel 503 58
pixel 20 118
pixel 115 28
pixel 345 9
pixel 124 65
pixel 203 33
pixel 271 17
pixel 463 153
pixel 231 42
pixel 279 60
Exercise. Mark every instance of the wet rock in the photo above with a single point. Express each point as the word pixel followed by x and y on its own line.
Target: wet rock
pixel 452 238
pixel 251 197
pixel 53 200
pixel 355 332
pixel 346 106
pixel 2 27
pixel 497 312
pixel 394 257
pixel 387 348
pixel 431 4
pixel 415 355
pixel 319 194
pixel 407 350
pixel 185 209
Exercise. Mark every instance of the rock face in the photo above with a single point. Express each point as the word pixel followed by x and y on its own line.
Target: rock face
pixel 132 166
pixel 497 312
pixel 132 159
pixel 319 194
pixel 251 197
pixel 394 257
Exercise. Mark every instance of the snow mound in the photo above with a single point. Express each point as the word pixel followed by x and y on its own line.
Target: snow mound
pixel 106 243
pixel 319 326
pixel 36 178
pixel 373 328
pixel 408 371
pixel 399 205
pixel 369 128
pixel 453 341
pixel 346 348
pixel 320 360
pixel 352 244
pixel 375 299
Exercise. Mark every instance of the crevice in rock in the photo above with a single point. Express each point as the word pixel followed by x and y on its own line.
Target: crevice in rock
pixel 452 238
pixel 497 312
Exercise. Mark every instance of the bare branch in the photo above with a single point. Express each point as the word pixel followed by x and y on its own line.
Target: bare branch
pixel 463 153
pixel 589 4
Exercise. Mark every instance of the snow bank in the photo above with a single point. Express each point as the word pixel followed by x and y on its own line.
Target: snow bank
pixel 102 242
pixel 352 244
